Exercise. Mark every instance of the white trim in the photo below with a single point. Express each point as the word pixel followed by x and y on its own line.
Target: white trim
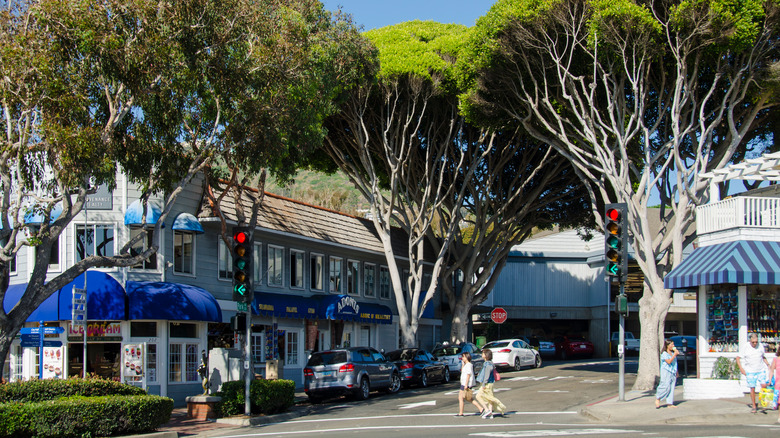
pixel 763 168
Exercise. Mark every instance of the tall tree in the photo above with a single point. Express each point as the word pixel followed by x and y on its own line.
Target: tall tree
pixel 642 97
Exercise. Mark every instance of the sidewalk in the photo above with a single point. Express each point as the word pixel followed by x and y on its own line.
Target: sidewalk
pixel 639 407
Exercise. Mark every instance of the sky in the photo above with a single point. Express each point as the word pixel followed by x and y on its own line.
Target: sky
pixel 372 14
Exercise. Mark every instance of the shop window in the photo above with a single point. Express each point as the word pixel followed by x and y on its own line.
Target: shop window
pixel 191 362
pixel 723 318
pixel 183 363
pixel 762 314
pixel 353 277
pixel 316 274
pixel 174 362
pixel 384 283
pixel 275 265
pixel 335 274
pixel 141 246
pixel 296 269
pixel 369 272
pixel 224 262
pixel 143 329
pixel 183 252
pixel 94 240
pixel 151 365
pixel 183 330
pixel 292 348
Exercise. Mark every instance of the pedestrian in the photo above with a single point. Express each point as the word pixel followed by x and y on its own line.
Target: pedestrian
pixel 486 378
pixel 467 381
pixel 668 375
pixel 751 362
pixel 774 370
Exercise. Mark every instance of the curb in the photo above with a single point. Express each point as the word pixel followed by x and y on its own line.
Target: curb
pixel 295 412
pixel 170 434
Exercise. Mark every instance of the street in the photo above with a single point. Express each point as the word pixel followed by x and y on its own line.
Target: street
pixel 541 402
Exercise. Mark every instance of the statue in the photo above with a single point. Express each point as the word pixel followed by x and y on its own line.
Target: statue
pixel 203 371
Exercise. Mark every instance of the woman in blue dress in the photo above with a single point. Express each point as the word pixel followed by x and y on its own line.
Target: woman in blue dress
pixel 668 375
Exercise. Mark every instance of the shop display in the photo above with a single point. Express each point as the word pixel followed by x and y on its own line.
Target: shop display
pixel 723 320
pixel 762 317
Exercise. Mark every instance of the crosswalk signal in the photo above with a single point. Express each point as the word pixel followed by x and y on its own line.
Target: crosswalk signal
pixel 242 264
pixel 615 241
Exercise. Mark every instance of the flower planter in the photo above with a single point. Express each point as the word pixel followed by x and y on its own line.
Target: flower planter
pixel 701 389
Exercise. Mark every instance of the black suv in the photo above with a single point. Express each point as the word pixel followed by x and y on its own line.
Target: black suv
pixel 356 371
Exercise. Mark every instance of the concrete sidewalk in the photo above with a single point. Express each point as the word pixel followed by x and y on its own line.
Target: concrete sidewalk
pixel 639 407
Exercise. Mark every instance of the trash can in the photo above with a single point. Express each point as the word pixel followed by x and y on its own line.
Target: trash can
pixel 481 340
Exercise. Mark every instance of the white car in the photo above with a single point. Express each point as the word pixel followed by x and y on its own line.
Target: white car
pixel 514 353
pixel 450 355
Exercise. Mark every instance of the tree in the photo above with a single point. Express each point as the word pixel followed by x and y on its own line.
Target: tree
pixel 641 98
pixel 425 172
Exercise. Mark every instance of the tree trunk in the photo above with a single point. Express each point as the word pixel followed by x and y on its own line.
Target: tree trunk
pixel 459 330
pixel 653 307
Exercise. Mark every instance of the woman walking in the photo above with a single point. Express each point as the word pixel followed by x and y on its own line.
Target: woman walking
pixel 486 379
pixel 668 375
pixel 467 380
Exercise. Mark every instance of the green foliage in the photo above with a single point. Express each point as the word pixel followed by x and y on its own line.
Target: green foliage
pixel 725 369
pixel 50 389
pixel 85 416
pixel 267 397
pixel 732 25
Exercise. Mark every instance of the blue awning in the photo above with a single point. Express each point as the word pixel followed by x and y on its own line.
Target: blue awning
pixel 134 213
pixel 740 262
pixel 35 217
pixel 346 308
pixel 105 299
pixel 171 301
pixel 187 222
pixel 285 306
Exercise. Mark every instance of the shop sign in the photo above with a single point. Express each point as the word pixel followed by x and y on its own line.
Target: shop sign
pixel 96 331
pixel 376 316
pixel 348 305
pixel 52 362
pixel 133 361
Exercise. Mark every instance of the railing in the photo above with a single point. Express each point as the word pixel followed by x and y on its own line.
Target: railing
pixel 738 212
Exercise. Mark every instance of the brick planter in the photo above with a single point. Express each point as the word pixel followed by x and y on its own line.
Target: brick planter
pixel 202 407
pixel 704 389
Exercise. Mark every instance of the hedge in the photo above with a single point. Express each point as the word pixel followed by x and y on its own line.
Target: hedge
pixel 50 389
pixel 85 416
pixel 266 396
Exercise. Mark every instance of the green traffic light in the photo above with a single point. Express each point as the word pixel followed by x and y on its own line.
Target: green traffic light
pixel 241 264
pixel 613 242
pixel 240 289
pixel 613 269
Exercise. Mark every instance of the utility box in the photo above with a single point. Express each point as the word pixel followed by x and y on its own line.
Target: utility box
pixel 274 369
pixel 224 366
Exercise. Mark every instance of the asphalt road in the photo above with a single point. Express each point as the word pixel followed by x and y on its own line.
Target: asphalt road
pixel 542 402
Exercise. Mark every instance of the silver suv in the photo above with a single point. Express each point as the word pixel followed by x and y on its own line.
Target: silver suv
pixel 356 371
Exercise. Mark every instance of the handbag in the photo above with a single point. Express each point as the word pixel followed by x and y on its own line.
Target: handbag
pixel 468 394
pixel 496 376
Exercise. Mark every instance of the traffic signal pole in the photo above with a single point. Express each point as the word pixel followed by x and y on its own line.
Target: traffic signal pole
pixel 616 266
pixel 622 351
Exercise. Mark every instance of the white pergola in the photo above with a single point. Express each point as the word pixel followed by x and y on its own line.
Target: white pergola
pixel 763 168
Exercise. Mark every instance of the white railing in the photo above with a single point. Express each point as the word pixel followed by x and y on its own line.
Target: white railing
pixel 738 212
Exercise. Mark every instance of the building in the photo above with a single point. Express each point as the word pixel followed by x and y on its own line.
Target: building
pixel 320 281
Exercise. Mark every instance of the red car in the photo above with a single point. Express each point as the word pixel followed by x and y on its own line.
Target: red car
pixel 572 346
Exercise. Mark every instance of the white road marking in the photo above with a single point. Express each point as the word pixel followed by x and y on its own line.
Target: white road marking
pixel 555 432
pixel 417 405
pixel 556 391
pixel 562 377
pixel 597 381
pixel 515 379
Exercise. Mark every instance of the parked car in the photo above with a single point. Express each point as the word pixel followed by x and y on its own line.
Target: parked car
pixel 690 346
pixel 514 353
pixel 417 366
pixel 544 347
pixel 571 346
pixel 450 355
pixel 352 371
pixel 630 343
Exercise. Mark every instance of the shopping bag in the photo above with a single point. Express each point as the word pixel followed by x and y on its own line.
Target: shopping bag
pixel 496 376
pixel 468 394
pixel 765 397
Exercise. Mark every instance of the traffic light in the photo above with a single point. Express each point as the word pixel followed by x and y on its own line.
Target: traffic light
pixel 615 241
pixel 621 305
pixel 238 322
pixel 242 264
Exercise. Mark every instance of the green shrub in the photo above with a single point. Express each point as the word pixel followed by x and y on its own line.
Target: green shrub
pixel 50 389
pixel 266 396
pixel 85 416
pixel 725 369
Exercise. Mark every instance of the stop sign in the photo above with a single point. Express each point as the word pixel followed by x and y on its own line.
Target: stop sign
pixel 498 315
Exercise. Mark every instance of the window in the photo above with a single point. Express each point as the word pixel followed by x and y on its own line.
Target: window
pixel 405 282
pixel 54 258
pixel 183 252
pixel 183 330
pixel 296 269
pixel 292 348
pixel 141 246
pixel 353 277
pixel 94 240
pixel 316 274
pixel 174 363
pixel 151 365
pixel 275 265
pixel 384 283
pixel 143 329
pixel 225 264
pixel 257 263
pixel 258 342
pixel 335 274
pixel 191 363
pixel 369 271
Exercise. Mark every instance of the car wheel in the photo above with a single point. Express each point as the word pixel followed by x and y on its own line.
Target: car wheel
pixel 424 379
pixel 446 377
pixel 517 364
pixel 395 384
pixel 363 390
pixel 538 361
pixel 313 399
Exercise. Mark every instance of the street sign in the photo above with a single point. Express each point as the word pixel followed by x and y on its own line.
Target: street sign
pixel 242 307
pixel 37 343
pixel 498 315
pixel 37 330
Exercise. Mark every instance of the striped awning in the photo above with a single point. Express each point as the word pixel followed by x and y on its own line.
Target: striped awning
pixel 740 262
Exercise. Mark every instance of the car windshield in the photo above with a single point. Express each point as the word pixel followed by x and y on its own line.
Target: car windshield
pixel 446 351
pixel 401 355
pixel 327 358
pixel 496 344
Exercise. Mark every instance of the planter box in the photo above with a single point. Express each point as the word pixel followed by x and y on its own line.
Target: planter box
pixel 701 389
pixel 202 407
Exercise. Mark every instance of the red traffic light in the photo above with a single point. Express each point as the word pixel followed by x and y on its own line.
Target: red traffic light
pixel 240 237
pixel 613 214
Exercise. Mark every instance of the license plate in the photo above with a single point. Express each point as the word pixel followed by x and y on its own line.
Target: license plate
pixel 582 346
pixel 325 374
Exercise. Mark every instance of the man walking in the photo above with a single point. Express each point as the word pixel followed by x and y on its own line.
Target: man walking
pixel 750 364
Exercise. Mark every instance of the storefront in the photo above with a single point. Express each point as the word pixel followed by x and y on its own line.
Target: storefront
pixel 738 294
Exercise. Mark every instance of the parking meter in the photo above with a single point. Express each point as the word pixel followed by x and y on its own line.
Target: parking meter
pixel 685 354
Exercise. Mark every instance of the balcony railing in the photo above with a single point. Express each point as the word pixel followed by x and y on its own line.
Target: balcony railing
pixel 738 212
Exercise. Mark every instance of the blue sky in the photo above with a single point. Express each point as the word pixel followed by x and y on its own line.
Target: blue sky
pixel 374 13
